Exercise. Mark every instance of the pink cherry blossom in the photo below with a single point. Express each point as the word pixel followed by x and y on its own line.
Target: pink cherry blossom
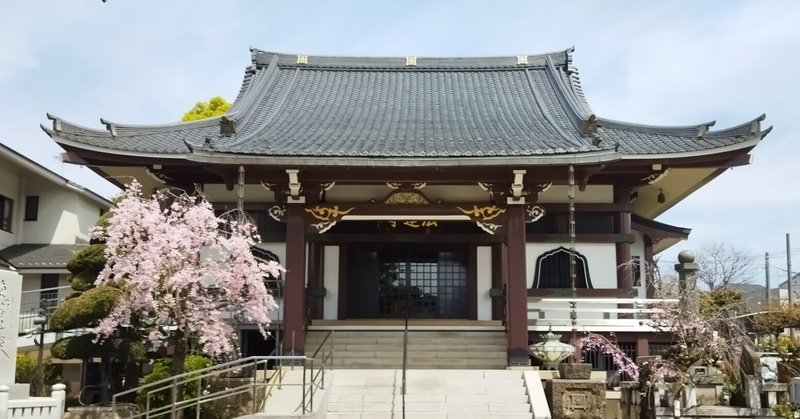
pixel 182 268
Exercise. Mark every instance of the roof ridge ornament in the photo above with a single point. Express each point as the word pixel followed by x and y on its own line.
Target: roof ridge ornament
pixel 590 125
pixel 226 126
pixel 56 122
pixel 522 60
pixel 411 61
pixel 302 59
pixel 110 126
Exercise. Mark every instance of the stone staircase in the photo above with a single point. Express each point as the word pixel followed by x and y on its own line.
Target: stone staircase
pixel 428 349
pixel 430 394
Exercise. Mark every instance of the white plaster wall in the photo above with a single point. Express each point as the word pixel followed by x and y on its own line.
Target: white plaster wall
pixel 57 222
pixel 595 194
pixel 601 257
pixel 448 193
pixel 637 249
pixel 330 277
pixel 88 212
pixel 9 187
pixel 279 248
pixel 252 193
pixel 484 268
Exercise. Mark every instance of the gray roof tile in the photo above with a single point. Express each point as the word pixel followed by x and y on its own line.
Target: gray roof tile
pixel 43 256
pixel 381 108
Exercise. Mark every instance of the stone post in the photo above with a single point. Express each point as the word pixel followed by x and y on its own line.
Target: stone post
pixel 59 393
pixel 686 267
pixel 4 401
pixel 10 292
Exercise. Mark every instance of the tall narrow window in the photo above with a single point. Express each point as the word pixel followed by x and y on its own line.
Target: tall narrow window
pixel 31 208
pixel 6 211
pixel 552 270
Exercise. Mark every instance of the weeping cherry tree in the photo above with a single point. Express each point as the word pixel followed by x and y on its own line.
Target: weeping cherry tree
pixel 181 270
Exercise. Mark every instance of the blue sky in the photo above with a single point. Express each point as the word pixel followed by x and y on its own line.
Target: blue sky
pixel 676 62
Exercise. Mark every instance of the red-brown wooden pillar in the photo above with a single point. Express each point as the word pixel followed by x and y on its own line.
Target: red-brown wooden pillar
pixel 622 225
pixel 294 309
pixel 516 288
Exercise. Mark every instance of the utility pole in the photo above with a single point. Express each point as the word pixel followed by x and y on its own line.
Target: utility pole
pixel 766 273
pixel 789 276
pixel 789 269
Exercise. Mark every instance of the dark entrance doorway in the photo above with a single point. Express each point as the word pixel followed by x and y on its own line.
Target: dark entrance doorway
pixel 386 280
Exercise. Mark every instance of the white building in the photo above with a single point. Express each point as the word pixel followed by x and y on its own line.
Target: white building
pixel 45 218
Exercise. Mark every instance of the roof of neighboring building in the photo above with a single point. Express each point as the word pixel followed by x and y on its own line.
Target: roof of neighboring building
pixel 795 283
pixel 39 256
pixel 52 176
pixel 365 110
pixel 663 235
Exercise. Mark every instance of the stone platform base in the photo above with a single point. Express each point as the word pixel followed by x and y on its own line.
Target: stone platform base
pixel 577 399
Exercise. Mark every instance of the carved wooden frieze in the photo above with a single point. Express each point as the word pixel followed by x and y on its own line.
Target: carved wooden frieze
pixel 533 213
pixel 406 197
pixel 482 215
pixel 278 213
pixel 327 216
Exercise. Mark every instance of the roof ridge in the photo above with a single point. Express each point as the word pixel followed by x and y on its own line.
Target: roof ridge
pixel 262 57
pixel 546 114
pixel 257 89
pixel 268 119
pixel 578 114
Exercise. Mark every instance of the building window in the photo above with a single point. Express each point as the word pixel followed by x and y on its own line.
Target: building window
pixel 49 291
pixel 6 210
pixel 552 270
pixel 31 208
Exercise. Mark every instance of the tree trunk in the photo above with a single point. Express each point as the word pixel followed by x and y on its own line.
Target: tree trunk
pixel 179 353
pixel 178 367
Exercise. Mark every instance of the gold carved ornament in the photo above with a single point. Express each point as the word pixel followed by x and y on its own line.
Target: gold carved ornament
pixel 328 216
pixel 482 216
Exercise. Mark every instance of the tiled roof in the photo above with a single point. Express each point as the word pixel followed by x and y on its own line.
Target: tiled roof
pixel 383 108
pixel 42 256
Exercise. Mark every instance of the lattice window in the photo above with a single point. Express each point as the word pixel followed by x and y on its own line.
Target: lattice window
pixel 552 270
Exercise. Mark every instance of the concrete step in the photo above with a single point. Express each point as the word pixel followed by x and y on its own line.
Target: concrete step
pixel 426 415
pixel 426 349
pixel 430 394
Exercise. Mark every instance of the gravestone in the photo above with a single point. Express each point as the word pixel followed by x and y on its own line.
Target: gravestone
pixel 10 292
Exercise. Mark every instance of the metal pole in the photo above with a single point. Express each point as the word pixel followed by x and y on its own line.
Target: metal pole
pixel 405 345
pixel 40 365
pixel 174 411
pixel 304 386
pixel 240 191
pixel 789 277
pixel 766 274
pixel 789 269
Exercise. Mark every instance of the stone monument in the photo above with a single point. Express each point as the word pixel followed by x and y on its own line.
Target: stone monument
pixel 10 291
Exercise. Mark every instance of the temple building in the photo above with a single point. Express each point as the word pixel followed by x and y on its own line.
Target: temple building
pixel 460 192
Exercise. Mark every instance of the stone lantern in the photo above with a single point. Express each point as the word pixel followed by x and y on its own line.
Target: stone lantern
pixel 551 351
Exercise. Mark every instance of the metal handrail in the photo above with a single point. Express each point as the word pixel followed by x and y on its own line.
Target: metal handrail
pixel 171 384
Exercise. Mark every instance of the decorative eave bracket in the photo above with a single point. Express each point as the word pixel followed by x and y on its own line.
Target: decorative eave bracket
pixel 517 186
pixel 294 188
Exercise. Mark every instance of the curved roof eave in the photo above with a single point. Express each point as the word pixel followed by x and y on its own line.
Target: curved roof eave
pixel 748 144
pixel 60 124
pixel 105 150
pixel 544 160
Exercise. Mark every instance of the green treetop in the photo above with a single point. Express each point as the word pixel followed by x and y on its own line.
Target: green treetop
pixel 201 110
